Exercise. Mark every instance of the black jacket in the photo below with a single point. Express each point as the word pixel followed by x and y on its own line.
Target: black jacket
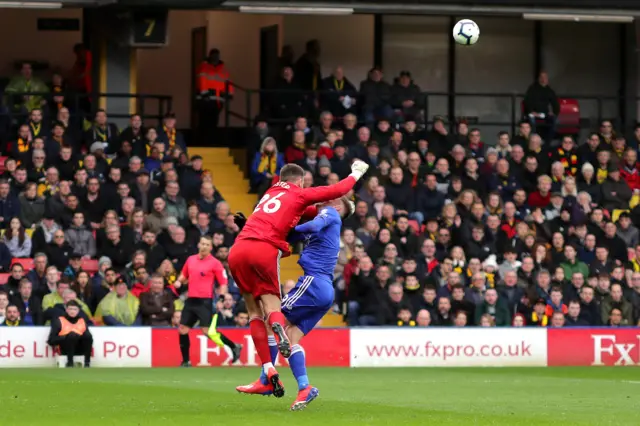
pixel 540 98
pixel 401 196
pixel 58 256
pixel 120 253
pixel 35 308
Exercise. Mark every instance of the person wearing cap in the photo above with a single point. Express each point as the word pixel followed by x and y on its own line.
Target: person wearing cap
pixel 324 170
pixel 169 134
pixel 75 266
pixel 265 165
pixel 615 193
pixel 538 317
pixel 406 97
pixel 71 333
pixel 627 231
pixel 119 307
pixel 310 163
pixel 554 209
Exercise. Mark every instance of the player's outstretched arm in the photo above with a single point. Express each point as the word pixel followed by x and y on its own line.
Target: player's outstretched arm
pixel 322 194
pixel 315 225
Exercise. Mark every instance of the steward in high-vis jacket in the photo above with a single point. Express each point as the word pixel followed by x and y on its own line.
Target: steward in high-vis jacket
pixel 70 331
pixel 213 88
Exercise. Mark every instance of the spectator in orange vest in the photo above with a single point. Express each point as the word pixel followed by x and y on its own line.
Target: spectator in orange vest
pixel 71 333
pixel 213 88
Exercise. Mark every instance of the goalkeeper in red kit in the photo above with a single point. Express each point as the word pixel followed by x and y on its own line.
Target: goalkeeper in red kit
pixel 254 259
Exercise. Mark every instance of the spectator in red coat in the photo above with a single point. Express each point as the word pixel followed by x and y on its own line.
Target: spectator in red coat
pixel 295 152
pixel 326 147
pixel 630 169
pixel 542 197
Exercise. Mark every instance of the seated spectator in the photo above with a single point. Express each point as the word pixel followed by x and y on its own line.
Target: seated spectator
pixel 555 303
pixel 493 307
pixel 31 206
pixel 103 132
pixel 616 301
pixel 12 317
pixel 376 97
pixel 169 134
pixel 266 164
pixel 16 240
pixel 58 251
pixel 9 204
pixel 156 305
pixel 75 266
pixel 573 317
pixel 117 249
pixel 70 331
pixel 119 307
pixel 28 304
pixel 406 96
pixel 615 194
pixel 339 96
pixel 80 238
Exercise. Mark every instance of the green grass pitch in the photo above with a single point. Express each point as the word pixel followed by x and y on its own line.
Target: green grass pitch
pixel 417 396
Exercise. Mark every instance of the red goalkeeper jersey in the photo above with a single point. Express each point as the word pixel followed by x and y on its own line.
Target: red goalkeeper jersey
pixel 281 208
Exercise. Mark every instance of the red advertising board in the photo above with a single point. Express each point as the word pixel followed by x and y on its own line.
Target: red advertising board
pixel 593 346
pixel 323 347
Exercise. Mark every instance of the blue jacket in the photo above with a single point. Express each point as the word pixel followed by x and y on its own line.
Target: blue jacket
pixel 506 187
pixel 9 208
pixel 257 178
pixel 429 202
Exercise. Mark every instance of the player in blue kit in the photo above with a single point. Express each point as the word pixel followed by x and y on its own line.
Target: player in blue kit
pixel 311 298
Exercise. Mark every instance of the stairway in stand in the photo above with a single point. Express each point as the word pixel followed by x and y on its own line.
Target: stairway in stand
pixel 230 182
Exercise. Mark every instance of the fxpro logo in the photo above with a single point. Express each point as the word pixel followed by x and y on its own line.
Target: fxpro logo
pixel 607 351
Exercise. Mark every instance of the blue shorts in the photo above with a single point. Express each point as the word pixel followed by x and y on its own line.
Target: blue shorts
pixel 306 304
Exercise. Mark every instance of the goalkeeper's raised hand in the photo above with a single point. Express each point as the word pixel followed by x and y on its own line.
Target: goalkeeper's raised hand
pixel 358 169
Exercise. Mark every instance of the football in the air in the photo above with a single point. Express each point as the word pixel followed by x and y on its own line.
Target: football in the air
pixel 466 32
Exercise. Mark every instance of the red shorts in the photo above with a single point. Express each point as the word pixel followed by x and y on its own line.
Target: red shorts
pixel 255 267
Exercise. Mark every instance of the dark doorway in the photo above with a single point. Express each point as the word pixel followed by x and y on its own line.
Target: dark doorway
pixel 198 54
pixel 268 60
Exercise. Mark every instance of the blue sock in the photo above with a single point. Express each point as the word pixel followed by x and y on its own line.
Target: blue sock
pixel 273 350
pixel 298 366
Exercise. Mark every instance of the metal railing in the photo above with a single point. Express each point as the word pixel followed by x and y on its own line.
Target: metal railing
pixel 84 105
pixel 477 109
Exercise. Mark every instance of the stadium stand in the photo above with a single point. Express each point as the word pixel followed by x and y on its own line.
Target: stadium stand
pixel 443 216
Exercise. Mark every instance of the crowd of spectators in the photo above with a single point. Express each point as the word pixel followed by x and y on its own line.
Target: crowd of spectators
pixel 451 228
pixel 462 228
pixel 104 216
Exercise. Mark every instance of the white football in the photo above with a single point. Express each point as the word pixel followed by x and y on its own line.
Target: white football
pixel 466 32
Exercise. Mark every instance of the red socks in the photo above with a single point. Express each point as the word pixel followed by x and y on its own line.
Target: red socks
pixel 276 317
pixel 260 339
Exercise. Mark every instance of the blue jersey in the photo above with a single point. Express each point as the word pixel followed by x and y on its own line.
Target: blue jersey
pixel 321 238
pixel 313 294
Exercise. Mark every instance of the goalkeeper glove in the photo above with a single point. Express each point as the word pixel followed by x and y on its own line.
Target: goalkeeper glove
pixel 239 220
pixel 358 169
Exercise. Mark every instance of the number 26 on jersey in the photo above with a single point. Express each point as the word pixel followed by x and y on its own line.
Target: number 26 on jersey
pixel 269 204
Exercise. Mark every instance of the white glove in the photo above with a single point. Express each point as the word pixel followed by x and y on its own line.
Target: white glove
pixel 358 169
